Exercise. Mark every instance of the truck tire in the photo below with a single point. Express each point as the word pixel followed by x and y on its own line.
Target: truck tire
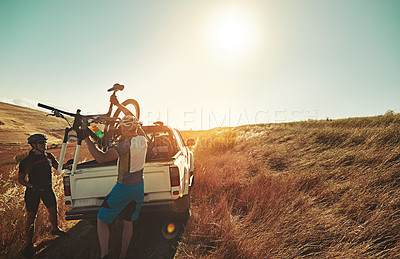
pixel 182 204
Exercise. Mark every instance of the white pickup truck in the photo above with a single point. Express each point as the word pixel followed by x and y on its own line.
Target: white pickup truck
pixel 168 177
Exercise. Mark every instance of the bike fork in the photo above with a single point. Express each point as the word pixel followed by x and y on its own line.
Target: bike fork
pixel 76 157
pixel 64 149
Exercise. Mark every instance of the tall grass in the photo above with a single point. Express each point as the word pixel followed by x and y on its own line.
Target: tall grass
pixel 12 221
pixel 13 212
pixel 305 189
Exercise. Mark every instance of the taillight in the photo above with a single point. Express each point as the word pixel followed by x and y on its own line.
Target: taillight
pixel 67 187
pixel 174 176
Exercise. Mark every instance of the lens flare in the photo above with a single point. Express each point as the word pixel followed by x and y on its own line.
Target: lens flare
pixel 169 231
pixel 171 228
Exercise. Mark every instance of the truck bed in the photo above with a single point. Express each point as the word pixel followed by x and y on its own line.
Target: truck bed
pixel 167 178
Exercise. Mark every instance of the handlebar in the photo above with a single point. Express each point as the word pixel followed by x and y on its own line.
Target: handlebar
pixel 96 118
pixel 56 110
pixel 80 121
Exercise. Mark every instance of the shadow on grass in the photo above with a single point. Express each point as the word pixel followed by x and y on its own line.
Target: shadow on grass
pixel 155 236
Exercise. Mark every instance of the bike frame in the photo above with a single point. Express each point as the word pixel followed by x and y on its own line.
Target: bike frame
pixel 81 122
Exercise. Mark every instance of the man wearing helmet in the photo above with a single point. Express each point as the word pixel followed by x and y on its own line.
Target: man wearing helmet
pixel 126 197
pixel 37 166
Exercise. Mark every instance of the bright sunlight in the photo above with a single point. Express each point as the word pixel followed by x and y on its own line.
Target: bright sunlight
pixel 232 33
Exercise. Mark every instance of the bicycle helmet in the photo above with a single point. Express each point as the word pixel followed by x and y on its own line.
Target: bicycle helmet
pixel 129 121
pixel 35 138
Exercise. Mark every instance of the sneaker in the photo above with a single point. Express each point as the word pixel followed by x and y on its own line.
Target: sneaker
pixel 58 232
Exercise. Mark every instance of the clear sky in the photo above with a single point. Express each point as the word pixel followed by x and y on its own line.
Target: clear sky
pixel 202 64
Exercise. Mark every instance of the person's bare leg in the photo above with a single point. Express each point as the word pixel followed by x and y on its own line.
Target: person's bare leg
pixel 103 233
pixel 53 217
pixel 126 237
pixel 29 226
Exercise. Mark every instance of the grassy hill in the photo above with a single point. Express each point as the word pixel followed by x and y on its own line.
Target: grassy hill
pixel 18 123
pixel 304 189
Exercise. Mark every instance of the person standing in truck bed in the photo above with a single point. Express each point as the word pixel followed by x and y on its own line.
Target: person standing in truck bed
pixel 127 195
pixel 37 166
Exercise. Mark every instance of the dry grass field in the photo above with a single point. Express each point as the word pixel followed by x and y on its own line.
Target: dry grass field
pixel 307 189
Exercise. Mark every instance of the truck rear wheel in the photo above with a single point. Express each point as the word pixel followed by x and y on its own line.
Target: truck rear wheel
pixel 182 204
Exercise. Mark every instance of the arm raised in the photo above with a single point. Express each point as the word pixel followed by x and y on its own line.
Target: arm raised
pixel 100 156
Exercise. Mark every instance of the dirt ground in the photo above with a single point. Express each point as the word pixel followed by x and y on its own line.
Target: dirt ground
pixel 150 240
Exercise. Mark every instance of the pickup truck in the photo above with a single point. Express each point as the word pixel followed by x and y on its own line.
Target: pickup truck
pixel 168 177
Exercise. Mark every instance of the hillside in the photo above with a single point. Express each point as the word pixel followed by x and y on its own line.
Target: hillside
pixel 17 123
pixel 308 189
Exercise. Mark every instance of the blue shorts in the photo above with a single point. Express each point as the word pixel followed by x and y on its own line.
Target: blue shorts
pixel 125 199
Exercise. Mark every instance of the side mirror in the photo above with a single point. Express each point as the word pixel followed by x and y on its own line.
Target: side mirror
pixel 190 142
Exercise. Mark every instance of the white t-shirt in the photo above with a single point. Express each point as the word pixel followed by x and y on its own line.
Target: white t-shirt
pixel 132 157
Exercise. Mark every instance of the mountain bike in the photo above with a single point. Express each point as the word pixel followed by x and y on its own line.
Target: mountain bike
pixel 110 120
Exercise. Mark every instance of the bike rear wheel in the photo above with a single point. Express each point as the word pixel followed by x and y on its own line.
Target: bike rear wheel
pixel 111 133
pixel 132 105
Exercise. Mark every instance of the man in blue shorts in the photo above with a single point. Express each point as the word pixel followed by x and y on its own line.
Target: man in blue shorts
pixel 127 195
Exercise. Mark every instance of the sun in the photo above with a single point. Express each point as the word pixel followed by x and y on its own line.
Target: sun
pixel 232 33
